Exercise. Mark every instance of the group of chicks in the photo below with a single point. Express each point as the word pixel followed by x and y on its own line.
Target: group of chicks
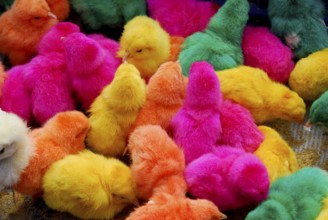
pixel 188 111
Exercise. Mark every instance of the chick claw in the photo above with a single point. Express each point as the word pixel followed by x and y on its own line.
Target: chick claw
pixel 292 40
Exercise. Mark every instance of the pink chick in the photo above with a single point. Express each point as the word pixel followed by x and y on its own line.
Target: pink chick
pixel 197 127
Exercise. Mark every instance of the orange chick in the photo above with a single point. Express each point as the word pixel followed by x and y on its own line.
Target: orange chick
pixel 275 153
pixel 164 96
pixel 3 76
pixel 61 8
pixel 265 99
pixel 61 135
pixel 22 27
pixel 176 46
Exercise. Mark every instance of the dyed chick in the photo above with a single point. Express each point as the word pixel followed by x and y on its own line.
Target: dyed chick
pixel 229 177
pixel 196 127
pixel 28 20
pixel 95 187
pixel 157 162
pixel 16 149
pixel 114 111
pixel 97 14
pixel 309 78
pixel 300 24
pixel 60 136
pixel 318 110
pixel 157 166
pixel 145 44
pixel 192 16
pixel 275 153
pixel 90 65
pixel 164 96
pixel 220 43
pixel 265 99
pixel 165 206
pixel 297 196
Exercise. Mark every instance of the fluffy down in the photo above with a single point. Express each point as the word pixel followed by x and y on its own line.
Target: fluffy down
pixel 265 99
pixel 309 79
pixel 164 96
pixel 166 206
pixel 110 181
pixel 90 63
pixel 275 153
pixel 297 196
pixel 318 110
pixel 115 110
pixel 145 44
pixel 183 17
pixel 60 136
pixel 175 47
pixel 97 14
pixel 16 148
pixel 264 50
pixel 229 177
pixel 300 24
pixel 238 127
pixel 220 43
pixel 196 127
pixel 157 162
pixel 22 27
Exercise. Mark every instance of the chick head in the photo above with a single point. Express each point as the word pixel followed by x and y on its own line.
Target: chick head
pixel 167 86
pixel 13 133
pixel 318 110
pixel 145 44
pixel 37 12
pixel 127 91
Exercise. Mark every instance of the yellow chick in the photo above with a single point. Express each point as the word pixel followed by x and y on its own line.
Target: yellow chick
pixel 309 77
pixel 323 215
pixel 277 156
pixel 265 99
pixel 115 110
pixel 89 186
pixel 145 44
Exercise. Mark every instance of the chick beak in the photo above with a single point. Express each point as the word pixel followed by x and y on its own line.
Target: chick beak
pixel 135 202
pixel 52 15
pixel 125 56
pixel 223 216
pixel 308 125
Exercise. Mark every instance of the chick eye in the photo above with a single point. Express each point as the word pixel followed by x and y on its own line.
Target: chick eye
pixel 36 18
pixel 139 51
pixel 2 151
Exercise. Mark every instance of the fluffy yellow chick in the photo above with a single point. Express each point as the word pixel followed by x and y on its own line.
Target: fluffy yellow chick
pixel 265 99
pixel 323 215
pixel 277 156
pixel 145 44
pixel 309 78
pixel 114 110
pixel 89 186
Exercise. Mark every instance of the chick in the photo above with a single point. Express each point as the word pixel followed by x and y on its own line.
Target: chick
pixel 114 110
pixel 297 196
pixel 157 162
pixel 90 66
pixel 94 187
pixel 60 136
pixel 264 50
pixel 192 16
pixel 165 206
pixel 277 156
pixel 97 14
pixel 3 76
pixel 28 20
pixel 229 177
pixel 318 110
pixel 323 215
pixel 145 44
pixel 16 148
pixel 196 127
pixel 309 78
pixel 220 43
pixel 265 99
pixel 164 96
pixel 300 24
